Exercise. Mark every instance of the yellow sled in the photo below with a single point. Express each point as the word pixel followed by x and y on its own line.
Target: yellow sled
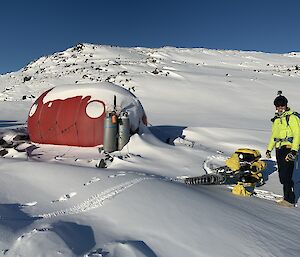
pixel 244 168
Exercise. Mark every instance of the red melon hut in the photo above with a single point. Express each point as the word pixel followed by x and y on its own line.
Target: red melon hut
pixel 74 114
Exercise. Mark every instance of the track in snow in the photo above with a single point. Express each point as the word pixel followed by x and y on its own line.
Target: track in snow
pixel 95 201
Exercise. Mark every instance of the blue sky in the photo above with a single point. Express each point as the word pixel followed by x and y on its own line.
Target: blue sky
pixel 30 29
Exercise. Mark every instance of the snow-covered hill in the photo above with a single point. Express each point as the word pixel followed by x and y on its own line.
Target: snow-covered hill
pixel 56 203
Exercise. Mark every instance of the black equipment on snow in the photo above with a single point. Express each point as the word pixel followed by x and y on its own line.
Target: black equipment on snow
pixel 243 168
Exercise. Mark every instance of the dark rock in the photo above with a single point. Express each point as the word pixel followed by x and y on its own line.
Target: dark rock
pixel 26 78
pixel 101 164
pixel 3 152
pixel 78 47
pixel 155 72
pixel 7 145
pixel 21 137
pixel 2 141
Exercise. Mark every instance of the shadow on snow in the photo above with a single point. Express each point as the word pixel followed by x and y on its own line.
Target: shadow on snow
pixel 79 238
pixel 167 134
pixel 9 123
pixel 12 217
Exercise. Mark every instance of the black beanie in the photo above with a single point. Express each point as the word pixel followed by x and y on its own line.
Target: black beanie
pixel 280 101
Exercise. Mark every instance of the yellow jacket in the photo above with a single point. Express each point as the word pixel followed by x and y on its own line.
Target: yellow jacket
pixel 285 133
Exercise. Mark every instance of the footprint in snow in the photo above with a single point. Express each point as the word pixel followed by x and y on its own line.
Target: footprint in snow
pixel 118 174
pixel 64 197
pixel 29 204
pixel 5 251
pixel 93 180
pixel 30 233
pixel 143 174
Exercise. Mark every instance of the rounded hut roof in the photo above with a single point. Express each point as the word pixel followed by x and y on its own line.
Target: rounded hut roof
pixel 74 114
pixel 104 92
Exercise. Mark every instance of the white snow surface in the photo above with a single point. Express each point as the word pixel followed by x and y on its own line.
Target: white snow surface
pixel 55 202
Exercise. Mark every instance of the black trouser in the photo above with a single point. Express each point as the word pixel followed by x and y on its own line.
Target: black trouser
pixel 285 170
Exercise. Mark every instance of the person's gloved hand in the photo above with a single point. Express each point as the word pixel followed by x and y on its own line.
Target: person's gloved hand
pixel 290 157
pixel 268 154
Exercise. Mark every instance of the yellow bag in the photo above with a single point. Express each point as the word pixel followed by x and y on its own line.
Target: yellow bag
pixel 248 155
pixel 233 163
pixel 240 190
pixel 258 166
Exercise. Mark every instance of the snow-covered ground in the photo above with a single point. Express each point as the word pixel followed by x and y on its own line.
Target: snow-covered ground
pixel 57 203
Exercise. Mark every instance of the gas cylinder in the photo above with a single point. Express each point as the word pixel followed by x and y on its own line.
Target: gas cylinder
pixel 124 130
pixel 110 132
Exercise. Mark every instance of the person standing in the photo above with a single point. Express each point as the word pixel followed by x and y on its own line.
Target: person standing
pixel 285 138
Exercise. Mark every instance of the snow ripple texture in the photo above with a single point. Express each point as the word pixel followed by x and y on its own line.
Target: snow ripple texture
pixel 95 201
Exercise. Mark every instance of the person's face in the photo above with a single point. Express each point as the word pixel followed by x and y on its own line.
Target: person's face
pixel 280 109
